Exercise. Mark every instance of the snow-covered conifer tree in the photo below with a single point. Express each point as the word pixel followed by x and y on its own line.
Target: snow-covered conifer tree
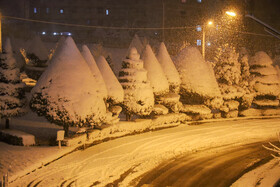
pixel 37 52
pixel 156 75
pixel 199 85
pixel 95 72
pixel 169 69
pixel 228 73
pixel 67 93
pixel 265 81
pixel 114 88
pixel 11 89
pixel 98 50
pixel 136 42
pixel 138 93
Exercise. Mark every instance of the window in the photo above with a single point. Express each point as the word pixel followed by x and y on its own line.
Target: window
pixel 43 33
pixel 107 12
pixel 198 28
pixel 47 10
pixel 35 10
pixel 199 1
pixel 198 42
pixel 183 1
pixel 61 11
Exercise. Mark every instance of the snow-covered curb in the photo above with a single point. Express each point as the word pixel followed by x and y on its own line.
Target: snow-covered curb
pixel 265 175
pixel 123 128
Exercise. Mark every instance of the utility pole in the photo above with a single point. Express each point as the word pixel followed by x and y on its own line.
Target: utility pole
pixel 163 21
pixel 203 41
pixel 0 32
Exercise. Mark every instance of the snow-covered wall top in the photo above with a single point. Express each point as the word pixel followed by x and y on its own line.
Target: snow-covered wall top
pixel 197 76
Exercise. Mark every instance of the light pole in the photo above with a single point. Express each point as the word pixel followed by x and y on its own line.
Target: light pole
pixel 0 32
pixel 203 37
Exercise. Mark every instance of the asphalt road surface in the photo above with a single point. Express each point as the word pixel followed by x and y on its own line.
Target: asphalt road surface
pixel 215 167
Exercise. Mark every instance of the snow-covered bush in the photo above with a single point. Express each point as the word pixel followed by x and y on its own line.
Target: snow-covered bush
pixel 37 54
pixel 67 93
pixel 114 88
pixel 265 81
pixel 98 50
pixel 138 93
pixel 11 89
pixel 99 81
pixel 169 69
pixel 232 76
pixel 136 42
pixel 199 85
pixel 155 74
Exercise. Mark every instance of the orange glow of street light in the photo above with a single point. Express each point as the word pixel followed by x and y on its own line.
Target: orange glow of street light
pixel 210 23
pixel 230 13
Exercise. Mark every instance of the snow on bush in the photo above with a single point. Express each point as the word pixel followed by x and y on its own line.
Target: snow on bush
pixel 66 93
pixel 199 84
pixel 99 81
pixel 156 75
pixel 169 68
pixel 232 76
pixel 114 88
pixel 136 42
pixel 138 93
pixel 11 89
pixel 37 53
pixel 98 50
pixel 264 81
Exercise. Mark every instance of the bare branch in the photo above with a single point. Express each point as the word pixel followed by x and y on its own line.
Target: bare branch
pixel 274 146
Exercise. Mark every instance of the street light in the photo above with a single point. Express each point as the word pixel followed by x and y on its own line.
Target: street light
pixel 209 23
pixel 267 28
pixel 231 13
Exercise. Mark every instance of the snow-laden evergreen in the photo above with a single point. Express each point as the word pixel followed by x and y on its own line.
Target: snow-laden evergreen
pixel 156 75
pixel 199 84
pixel 232 76
pixel 114 88
pixel 169 68
pixel 98 50
pixel 37 53
pixel 138 93
pixel 100 83
pixel 136 42
pixel 265 81
pixel 67 93
pixel 11 89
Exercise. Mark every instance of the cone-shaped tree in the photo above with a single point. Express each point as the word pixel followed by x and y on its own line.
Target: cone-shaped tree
pixel 136 42
pixel 156 75
pixel 169 68
pixel 11 88
pixel 115 90
pixel 265 81
pixel 37 53
pixel 66 93
pixel 198 80
pixel 95 71
pixel 138 94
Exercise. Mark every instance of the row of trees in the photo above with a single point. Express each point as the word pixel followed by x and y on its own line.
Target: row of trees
pixel 77 90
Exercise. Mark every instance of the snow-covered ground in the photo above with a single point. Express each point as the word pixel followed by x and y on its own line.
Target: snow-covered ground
pixel 132 155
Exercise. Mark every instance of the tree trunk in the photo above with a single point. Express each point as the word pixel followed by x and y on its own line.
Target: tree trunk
pixel 7 125
pixel 66 129
pixel 128 117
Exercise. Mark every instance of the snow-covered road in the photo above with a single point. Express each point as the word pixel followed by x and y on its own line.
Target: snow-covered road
pixel 124 159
